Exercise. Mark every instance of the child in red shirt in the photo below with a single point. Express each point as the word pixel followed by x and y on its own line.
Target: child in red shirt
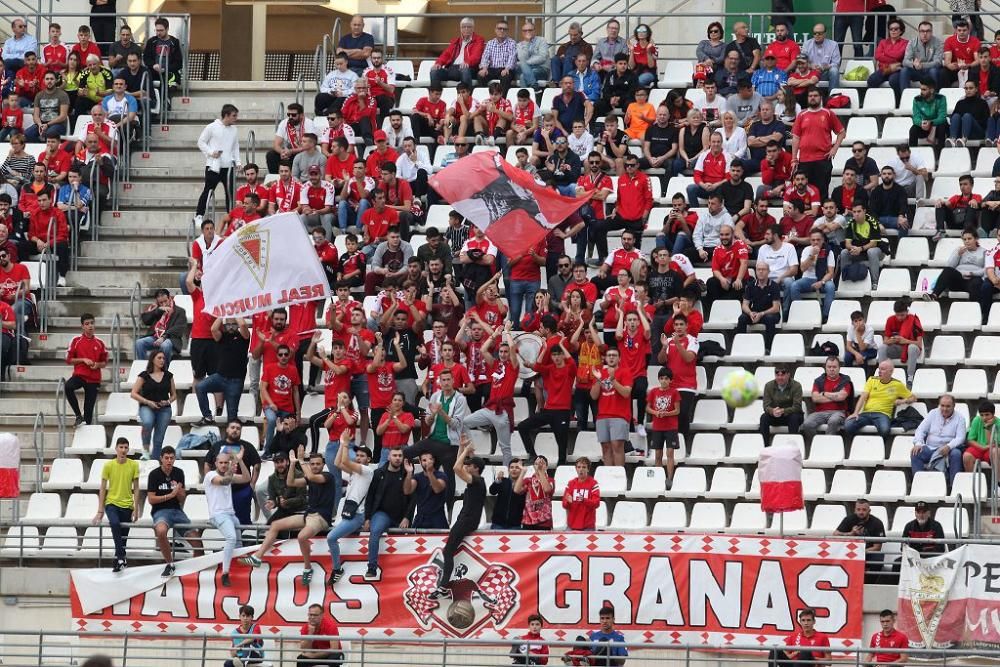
pixel 581 498
pixel 13 118
pixel 527 653
pixel 663 403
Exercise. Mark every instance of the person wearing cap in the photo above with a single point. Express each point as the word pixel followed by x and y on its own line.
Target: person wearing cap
pixel 382 154
pixel 469 469
pixel 802 78
pixel 923 527
pixel 823 55
pixel 316 201
pixel 940 440
pixel 784 48
pixel 279 499
pixel 782 402
pixel 769 79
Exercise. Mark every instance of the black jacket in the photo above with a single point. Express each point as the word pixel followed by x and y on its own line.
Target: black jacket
pixel 882 202
pixel 386 494
pixel 508 509
pixel 150 53
pixel 176 325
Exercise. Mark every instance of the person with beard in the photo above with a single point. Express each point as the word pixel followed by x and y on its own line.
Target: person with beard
pixel 167 324
pixel 498 411
pixel 888 203
pixel 664 284
pixel 730 260
pixel 924 527
pixel 280 499
pixel 231 338
pixel 402 345
pixel 812 149
pixel 288 137
pixel 508 508
pixel 242 489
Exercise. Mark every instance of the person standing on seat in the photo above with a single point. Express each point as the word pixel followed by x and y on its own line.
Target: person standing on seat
pixel 119 499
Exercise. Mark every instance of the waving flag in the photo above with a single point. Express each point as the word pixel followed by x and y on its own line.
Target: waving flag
pixel 513 210
pixel 780 471
pixel 10 464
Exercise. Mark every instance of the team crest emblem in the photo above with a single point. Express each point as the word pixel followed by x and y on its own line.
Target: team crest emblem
pixel 254 248
pixel 480 595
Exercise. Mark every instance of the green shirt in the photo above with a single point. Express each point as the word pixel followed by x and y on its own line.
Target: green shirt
pixel 936 110
pixel 440 430
pixel 119 477
pixel 979 432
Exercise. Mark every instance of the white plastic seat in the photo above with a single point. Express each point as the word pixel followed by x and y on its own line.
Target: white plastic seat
pixel 93 482
pixel 984 351
pixel 677 74
pixel 81 508
pixel 892 283
pixel 719 379
pixel 747 518
pixel 746 449
pixel 820 338
pixel 929 383
pixel 561 478
pixel 963 316
pixel 787 347
pixel 825 451
pixel 888 486
pixel 708 517
pixel 971 486
pixel 60 542
pixel 852 94
pixel 707 449
pixel 724 315
pixel 953 162
pixel 612 480
pixel 629 514
pixel 905 107
pixel 848 485
pixel 895 131
pixel 804 315
pixel 928 486
pixel 20 540
pixel 790 523
pixel 43 506
pixel 944 187
pixel 840 315
pixel 747 347
pixel 969 383
pixel 709 414
pixel 867 451
pixel 688 482
pixel 985 158
pixel 64 474
pixel 947 350
pixel 826 518
pixel 647 482
pixel 911 251
pixel 929 313
pixel 670 515
pixel 948 517
pixel 747 418
pixel 763 375
pixel 88 439
pixel 587 445
pixel 813 483
pixel 861 129
pixel 137 367
pixel 878 102
pixel 119 407
pixel 728 483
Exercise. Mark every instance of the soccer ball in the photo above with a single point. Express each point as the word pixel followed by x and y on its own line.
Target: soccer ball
pixel 461 614
pixel 739 389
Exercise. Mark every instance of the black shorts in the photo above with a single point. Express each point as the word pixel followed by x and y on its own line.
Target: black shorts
pixel 202 357
pixel 661 439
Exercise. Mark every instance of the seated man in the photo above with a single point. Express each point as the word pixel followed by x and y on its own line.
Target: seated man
pixel 280 500
pixel 782 403
pixel 818 266
pixel 319 652
pixel 761 305
pixel 940 440
pixel 877 402
pixel 832 394
pixel 982 439
pixel 903 338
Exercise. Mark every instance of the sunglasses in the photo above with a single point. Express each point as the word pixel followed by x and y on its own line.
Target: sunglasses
pixel 561 266
pixel 283 354
pixel 293 115
pixel 631 166
pixel 819 32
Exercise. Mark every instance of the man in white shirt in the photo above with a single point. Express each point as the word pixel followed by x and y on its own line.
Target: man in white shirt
pixel 288 136
pixel 860 341
pixel 911 171
pixel 220 144
pixel 396 127
pixel 818 265
pixel 219 497
pixel 412 168
pixel 780 257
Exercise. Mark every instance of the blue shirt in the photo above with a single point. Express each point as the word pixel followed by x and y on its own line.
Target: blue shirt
pixel 430 505
pixel 14 49
pixel 116 108
pixel 617 650
pixel 589 83
pixel 768 83
pixel 761 129
pixel 350 42
pixel 568 112
pixel 65 195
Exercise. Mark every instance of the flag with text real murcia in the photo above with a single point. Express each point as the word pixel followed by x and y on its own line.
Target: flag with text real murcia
pixel 508 204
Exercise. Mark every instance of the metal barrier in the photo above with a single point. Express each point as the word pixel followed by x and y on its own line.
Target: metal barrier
pixel 61 415
pixel 94 183
pixel 145 122
pixel 300 90
pixel 280 115
pixel 22 293
pixel 48 291
pixel 250 155
pixel 321 57
pixel 134 304
pixel 115 180
pixel 116 352
pixel 38 442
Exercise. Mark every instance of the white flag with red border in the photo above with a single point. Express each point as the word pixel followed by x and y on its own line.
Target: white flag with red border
pixel 10 466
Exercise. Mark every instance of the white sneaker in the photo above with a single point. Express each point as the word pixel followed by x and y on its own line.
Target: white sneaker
pixel 640 431
pixel 61 282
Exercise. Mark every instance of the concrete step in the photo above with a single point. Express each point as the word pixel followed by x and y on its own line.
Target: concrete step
pixel 190 131
pixel 22 403
pixel 52 373
pixel 161 190
pixel 262 103
pixel 168 159
pixel 150 219
pixel 60 340
pixel 125 279
pixel 181 205
pixel 71 308
pixel 178 234
pixel 116 251
pixel 101 263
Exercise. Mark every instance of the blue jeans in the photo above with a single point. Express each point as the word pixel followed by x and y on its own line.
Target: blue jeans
pixel 832 76
pixel 378 524
pixel 877 79
pixel 804 286
pixel 23 308
pixel 228 525
pixel 344 528
pixel 568 190
pixel 530 74
pixel 908 74
pixel 965 126
pixel 521 293
pixel 868 355
pixel 33 136
pixel 560 67
pixel 694 193
pixel 993 128
pixel 892 222
pixel 144 346
pixel 647 79
pixel 154 423
pixel 271 417
pixel 452 73
pixel 231 389
pixel 119 533
pixel 330 454
pixel 919 460
pixel 879 420
pixel 347 216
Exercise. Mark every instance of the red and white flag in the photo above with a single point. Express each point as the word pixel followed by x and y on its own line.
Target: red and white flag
pixel 780 473
pixel 508 204
pixel 10 466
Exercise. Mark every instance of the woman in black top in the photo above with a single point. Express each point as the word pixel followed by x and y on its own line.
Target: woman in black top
pixel 154 391
pixel 694 138
pixel 970 117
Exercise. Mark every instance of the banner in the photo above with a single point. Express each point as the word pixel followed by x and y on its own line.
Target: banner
pixel 267 264
pixel 10 466
pixel 951 600
pixel 780 471
pixel 665 588
pixel 513 209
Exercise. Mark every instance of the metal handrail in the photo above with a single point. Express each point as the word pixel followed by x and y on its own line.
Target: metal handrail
pixel 47 268
pixel 280 115
pixel 956 518
pixel 335 32
pixel 300 90
pixel 114 181
pixel 994 488
pixel 116 352
pixel 164 94
pixel 134 303
pixel 61 415
pixel 977 510
pixel 94 183
pixel 145 103
pixel 250 156
pixel 38 441
pixel 21 293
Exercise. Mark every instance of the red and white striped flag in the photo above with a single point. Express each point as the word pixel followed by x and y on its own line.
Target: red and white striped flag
pixel 10 466
pixel 780 474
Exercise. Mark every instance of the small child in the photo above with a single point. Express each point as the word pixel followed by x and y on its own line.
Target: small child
pixel 581 141
pixel 522 161
pixel 352 263
pixel 13 118
pixel 664 404
pixel 639 115
pixel 524 652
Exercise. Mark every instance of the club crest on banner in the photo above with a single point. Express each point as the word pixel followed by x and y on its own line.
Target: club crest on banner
pixel 480 594
pixel 928 602
pixel 254 248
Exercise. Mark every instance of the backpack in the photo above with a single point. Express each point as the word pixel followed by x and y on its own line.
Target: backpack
pixel 838 101
pixel 710 348
pixel 907 419
pixel 854 272
pixel 827 349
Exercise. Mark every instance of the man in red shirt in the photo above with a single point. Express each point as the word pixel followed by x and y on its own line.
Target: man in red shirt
pixel 946 211
pixel 242 215
pixel 525 280
pixel 319 652
pixel 775 171
pixel 711 170
pixel 340 164
pixel 888 638
pixel 354 200
pixel 15 285
pixel 29 79
pixel 812 149
pixel 582 498
pixel 632 334
pixel 459 60
pixel 613 393
pixel 807 639
pixel 360 111
pixel 801 190
pixel 751 227
pixel 285 193
pixel 903 338
pixel 203 360
pixel 730 260
pixel 580 282
pixel 398 194
pixel 621 258
pixel 205 244
pixel 599 185
pixel 49 224
pixel 381 82
pixel 498 412
pixel 429 115
pixel 7 325
pixel 558 373
pixel 635 201
pixel 87 355
pixel 316 203
pixel 279 392
pixel 57 158
pixel 326 253
pixel 376 222
pixel 782 48
pixel 251 173
pixel 382 154
pixel 960 51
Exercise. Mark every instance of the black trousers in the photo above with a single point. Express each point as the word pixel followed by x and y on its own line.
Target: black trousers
pixel 600 229
pixel 478 397
pixel 715 291
pixel 950 280
pixel 944 218
pixel 640 386
pixel 917 133
pixel 213 179
pixel 103 26
pixel 986 292
pixel 819 173
pixel 89 397
pixel 456 536
pixel 557 420
pixel 324 103
pixel 494 73
pixel 770 323
pixel 792 420
pixel 421 128
pixel 688 399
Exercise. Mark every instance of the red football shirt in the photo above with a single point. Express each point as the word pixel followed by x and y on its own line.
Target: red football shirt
pixel 893 640
pixel 813 128
pixel 634 351
pixel 93 348
pixel 558 384
pixel 337 382
pixel 611 404
pixel 281 381
pixel 201 327
pixel 381 385
pixel 727 260
pixel 685 372
pixel 10 280
pixel 666 400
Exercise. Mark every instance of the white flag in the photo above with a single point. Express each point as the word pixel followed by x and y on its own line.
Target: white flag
pixel 270 263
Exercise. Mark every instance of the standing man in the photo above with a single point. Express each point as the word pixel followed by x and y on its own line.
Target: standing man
pixel 613 393
pixel 219 497
pixel 558 373
pixel 582 498
pixel 87 354
pixel 812 149
pixel 220 144
pixel 357 45
pixel 119 499
pixel 469 469
pixel 832 394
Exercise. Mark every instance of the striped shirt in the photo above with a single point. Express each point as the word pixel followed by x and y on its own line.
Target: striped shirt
pixel 457 236
pixel 499 55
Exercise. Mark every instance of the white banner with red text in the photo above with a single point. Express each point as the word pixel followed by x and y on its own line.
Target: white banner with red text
pixel 267 264
pixel 665 588
pixel 951 600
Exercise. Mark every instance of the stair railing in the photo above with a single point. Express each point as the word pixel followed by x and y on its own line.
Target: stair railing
pixel 38 441
pixel 116 353
pixel 61 415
